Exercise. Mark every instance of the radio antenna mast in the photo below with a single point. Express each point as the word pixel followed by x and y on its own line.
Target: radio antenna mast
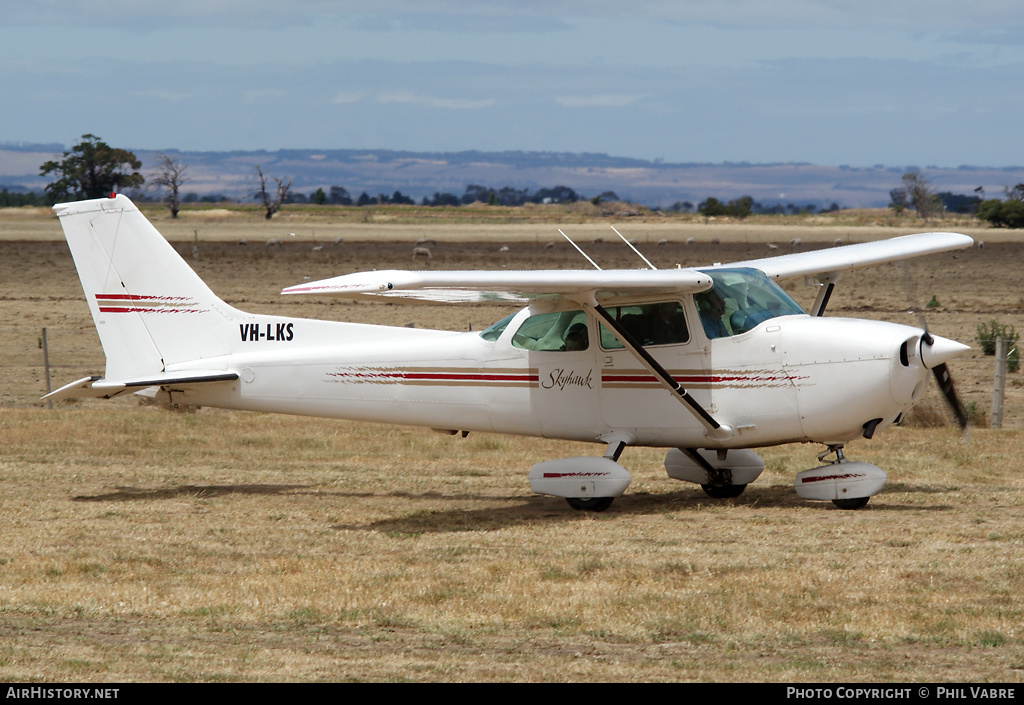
pixel 579 250
pixel 633 248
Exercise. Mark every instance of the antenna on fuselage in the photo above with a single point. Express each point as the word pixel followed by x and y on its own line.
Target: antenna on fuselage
pixel 579 250
pixel 638 253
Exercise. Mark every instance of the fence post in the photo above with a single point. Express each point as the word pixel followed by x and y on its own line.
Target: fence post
pixel 999 383
pixel 46 365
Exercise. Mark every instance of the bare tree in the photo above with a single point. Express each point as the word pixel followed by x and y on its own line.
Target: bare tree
pixel 272 205
pixel 921 194
pixel 170 173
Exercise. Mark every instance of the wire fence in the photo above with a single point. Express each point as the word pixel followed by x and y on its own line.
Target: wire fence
pixel 73 353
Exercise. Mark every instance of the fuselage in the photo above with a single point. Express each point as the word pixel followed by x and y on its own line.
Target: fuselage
pixel 790 378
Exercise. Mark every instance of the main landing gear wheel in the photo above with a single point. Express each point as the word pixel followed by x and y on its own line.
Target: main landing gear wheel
pixel 594 504
pixel 723 491
pixel 855 503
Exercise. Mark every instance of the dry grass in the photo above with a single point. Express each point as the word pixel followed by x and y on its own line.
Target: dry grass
pixel 141 544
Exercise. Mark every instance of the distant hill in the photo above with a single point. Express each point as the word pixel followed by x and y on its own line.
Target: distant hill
pixel 419 174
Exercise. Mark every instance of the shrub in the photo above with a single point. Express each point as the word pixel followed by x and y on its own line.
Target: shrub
pixel 987 334
pixel 1002 214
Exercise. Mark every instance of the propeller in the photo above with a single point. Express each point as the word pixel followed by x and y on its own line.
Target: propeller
pixel 945 382
pixel 934 353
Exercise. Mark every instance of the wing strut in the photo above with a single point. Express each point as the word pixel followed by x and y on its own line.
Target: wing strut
pixel 827 284
pixel 715 430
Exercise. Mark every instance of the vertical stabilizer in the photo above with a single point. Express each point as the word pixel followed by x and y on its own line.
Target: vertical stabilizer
pixel 151 310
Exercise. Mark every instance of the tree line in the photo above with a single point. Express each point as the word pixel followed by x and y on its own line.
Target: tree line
pixel 94 169
pixel 474 193
pixel 745 206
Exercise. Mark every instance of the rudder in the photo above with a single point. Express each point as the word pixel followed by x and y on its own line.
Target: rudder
pixel 150 308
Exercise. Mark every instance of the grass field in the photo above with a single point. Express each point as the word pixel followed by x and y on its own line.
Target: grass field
pixel 146 545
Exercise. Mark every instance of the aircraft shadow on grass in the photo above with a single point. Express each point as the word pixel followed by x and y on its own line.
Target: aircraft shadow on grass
pixel 128 494
pixel 532 510
pixel 544 510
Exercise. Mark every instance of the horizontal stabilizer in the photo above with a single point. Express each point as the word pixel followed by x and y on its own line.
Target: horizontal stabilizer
pixel 97 388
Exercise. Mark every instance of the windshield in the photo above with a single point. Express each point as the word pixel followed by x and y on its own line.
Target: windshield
pixel 739 299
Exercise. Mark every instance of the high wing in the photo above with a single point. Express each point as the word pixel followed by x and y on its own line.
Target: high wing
pixel 507 287
pixel 526 286
pixel 834 260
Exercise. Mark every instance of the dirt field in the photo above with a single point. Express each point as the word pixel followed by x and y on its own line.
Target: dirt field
pixel 145 545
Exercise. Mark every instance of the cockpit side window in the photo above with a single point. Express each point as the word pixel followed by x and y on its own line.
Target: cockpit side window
pixel 661 323
pixel 563 331
pixel 738 300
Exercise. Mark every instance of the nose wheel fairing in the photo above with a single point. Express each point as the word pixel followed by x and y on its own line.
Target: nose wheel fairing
pixel 847 484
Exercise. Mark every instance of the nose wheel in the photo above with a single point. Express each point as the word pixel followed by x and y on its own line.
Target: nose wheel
pixel 723 491
pixel 855 503
pixel 593 504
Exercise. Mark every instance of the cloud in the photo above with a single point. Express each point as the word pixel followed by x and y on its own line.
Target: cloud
pixel 434 102
pixel 347 98
pixel 523 16
pixel 606 100
pixel 165 95
pixel 260 95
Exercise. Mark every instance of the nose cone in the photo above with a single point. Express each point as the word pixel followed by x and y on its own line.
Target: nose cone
pixel 940 350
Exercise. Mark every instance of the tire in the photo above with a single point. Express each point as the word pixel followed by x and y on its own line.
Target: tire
pixel 723 491
pixel 854 503
pixel 595 504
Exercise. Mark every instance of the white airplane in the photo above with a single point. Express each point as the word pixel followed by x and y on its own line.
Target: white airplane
pixel 707 362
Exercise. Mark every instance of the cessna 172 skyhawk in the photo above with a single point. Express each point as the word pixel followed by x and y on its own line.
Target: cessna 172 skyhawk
pixel 707 362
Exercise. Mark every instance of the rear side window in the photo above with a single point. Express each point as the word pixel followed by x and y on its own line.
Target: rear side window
pixel 661 323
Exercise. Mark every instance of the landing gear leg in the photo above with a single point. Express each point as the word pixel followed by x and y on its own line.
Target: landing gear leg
pixel 836 448
pixel 719 484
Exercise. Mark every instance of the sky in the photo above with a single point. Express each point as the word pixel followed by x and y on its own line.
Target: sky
pixel 831 82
